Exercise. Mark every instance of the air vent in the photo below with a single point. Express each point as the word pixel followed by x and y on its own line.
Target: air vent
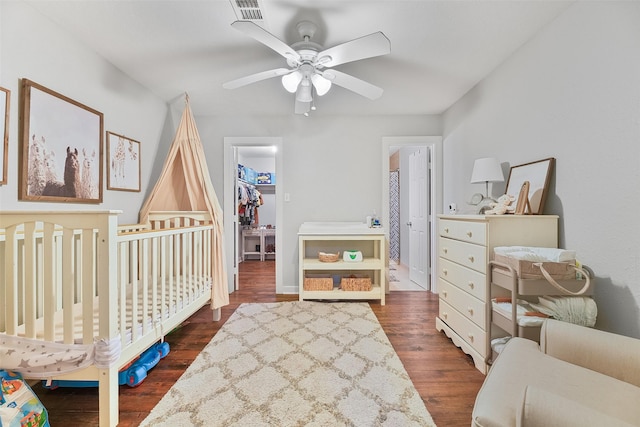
pixel 248 10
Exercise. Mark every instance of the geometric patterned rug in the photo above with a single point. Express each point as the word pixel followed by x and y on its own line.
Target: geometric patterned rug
pixel 297 363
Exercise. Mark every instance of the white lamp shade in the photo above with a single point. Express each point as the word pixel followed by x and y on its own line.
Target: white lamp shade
pixel 321 84
pixel 290 81
pixel 487 170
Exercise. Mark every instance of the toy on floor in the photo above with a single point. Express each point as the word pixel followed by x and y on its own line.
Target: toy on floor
pixel 131 375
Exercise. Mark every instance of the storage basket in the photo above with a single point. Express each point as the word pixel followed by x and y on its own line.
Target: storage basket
pixel 318 282
pixel 355 283
pixel 328 257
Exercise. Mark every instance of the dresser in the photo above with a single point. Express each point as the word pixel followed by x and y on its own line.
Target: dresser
pixel 465 246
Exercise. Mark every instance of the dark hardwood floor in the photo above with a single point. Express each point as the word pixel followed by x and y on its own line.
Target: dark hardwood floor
pixel 444 376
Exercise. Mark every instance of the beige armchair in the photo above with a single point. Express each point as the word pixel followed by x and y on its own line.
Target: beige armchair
pixel 577 377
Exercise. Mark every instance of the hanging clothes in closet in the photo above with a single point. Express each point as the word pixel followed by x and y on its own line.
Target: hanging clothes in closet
pixel 249 199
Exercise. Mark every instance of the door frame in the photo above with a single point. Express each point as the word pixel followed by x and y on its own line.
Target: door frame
pixel 230 203
pixel 434 144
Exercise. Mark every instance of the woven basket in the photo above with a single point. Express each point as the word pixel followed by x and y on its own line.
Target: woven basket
pixel 327 257
pixel 318 283
pixel 355 283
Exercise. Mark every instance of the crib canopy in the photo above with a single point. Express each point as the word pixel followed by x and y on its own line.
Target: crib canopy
pixel 185 185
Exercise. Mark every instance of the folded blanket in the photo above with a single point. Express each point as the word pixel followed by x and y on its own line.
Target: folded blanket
pixel 535 254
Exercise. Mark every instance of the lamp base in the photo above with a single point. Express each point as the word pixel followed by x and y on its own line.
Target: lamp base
pixel 485 205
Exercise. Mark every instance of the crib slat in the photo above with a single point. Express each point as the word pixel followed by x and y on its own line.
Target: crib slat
pixel 68 284
pixel 88 255
pixel 164 304
pixel 133 281
pixel 11 281
pixel 170 272
pixel 144 261
pixel 154 279
pixel 30 278
pixel 48 281
pixel 122 287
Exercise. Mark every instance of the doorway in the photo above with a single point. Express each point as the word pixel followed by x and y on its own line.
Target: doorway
pixel 411 197
pixel 257 242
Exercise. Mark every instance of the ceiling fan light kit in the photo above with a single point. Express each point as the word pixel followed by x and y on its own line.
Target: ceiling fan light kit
pixel 307 61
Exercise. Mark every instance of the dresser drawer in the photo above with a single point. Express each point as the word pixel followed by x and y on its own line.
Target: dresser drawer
pixel 467 231
pixel 464 278
pixel 465 328
pixel 470 307
pixel 466 254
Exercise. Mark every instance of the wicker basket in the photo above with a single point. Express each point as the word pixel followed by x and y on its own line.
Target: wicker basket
pixel 355 283
pixel 318 282
pixel 327 257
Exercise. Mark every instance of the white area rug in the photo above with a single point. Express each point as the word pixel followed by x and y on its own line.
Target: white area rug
pixel 295 364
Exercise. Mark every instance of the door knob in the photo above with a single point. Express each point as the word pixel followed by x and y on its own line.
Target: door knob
pixel 409 223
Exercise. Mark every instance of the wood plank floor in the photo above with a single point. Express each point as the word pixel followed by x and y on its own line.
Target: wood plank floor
pixel 444 376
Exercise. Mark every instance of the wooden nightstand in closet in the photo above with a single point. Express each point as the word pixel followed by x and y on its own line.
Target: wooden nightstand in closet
pixel 465 246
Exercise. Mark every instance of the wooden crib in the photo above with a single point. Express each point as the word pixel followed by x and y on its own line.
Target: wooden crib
pixel 80 278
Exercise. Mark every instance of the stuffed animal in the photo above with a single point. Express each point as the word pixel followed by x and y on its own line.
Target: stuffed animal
pixel 502 206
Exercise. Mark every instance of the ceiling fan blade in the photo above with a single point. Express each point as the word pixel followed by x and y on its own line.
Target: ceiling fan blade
pixel 302 107
pixel 375 44
pixel 243 81
pixel 263 36
pixel 353 84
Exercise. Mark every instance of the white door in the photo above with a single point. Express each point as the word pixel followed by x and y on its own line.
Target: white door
pixel 419 217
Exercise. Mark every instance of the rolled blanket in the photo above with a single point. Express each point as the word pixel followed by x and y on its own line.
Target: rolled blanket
pixel 578 310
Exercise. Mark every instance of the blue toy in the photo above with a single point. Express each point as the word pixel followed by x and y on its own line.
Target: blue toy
pixel 131 375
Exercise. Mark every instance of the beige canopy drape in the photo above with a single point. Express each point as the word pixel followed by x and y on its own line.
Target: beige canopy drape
pixel 185 185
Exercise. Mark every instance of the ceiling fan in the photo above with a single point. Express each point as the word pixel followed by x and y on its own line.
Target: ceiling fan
pixel 309 64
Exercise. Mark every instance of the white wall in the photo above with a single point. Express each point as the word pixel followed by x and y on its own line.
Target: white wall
pixel 32 47
pixel 573 93
pixel 331 165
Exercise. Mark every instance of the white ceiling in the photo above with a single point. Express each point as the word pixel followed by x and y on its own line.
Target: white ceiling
pixel 439 49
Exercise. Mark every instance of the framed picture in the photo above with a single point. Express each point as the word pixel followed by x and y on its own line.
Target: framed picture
pixel 61 153
pixel 537 174
pixel 123 163
pixel 5 96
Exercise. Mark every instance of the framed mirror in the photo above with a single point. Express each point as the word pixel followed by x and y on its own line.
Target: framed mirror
pixel 538 174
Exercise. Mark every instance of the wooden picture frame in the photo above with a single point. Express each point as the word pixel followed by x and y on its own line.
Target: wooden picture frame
pixel 123 163
pixel 5 97
pixel 61 153
pixel 538 174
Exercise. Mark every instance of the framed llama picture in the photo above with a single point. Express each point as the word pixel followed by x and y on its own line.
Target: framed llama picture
pixel 61 153
pixel 5 95
pixel 123 163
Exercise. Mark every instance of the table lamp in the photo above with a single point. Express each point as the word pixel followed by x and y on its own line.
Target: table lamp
pixel 486 170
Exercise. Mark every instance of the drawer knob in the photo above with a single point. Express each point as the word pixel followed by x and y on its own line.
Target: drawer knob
pixel 470 310
pixel 469 233
pixel 444 294
pixel 471 258
pixel 444 314
pixel 471 285
pixel 445 271
pixel 445 250
pixel 470 336
pixel 446 229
